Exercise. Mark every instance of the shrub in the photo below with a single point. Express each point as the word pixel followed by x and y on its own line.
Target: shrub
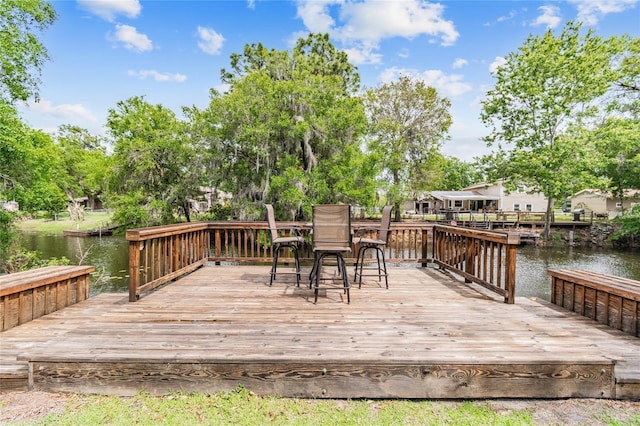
pixel 629 232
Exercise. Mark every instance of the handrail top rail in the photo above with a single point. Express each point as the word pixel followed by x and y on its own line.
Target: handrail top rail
pixel 143 234
pixel 504 237
pixel 262 224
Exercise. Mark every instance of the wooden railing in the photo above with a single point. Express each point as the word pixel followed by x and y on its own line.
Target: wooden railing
pixel 160 254
pixel 249 242
pixel 25 296
pixel 487 258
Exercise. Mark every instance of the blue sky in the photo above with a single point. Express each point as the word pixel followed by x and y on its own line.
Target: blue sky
pixel 171 52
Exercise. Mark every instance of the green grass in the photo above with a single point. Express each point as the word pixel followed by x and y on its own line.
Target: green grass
pixel 91 220
pixel 242 407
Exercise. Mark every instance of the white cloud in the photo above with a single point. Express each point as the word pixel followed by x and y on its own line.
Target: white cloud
pixel 446 84
pixel 315 15
pixel 403 53
pixel 69 112
pixel 158 76
pixel 550 17
pixel 363 24
pixel 109 9
pixel 590 11
pixel 497 63
pixel 459 63
pixel 132 39
pixel 512 15
pixel 223 87
pixel 508 17
pixel 361 55
pixel 375 20
pixel 210 41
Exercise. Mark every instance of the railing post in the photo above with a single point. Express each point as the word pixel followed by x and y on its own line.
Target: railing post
pixel 134 269
pixel 434 238
pixel 510 273
pixel 425 247
pixel 218 243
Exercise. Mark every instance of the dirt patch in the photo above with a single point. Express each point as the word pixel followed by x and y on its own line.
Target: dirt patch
pixel 25 406
pixel 29 406
pixel 575 412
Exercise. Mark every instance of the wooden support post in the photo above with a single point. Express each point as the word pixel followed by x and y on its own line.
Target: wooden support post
pixel 425 246
pixel 134 269
pixel 510 274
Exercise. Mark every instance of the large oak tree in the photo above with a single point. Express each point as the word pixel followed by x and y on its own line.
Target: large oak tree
pixel 286 116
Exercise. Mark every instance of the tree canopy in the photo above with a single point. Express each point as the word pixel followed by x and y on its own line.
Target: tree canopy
pixel 286 115
pixel 408 124
pixel 548 86
pixel 152 175
pixel 617 142
pixel 22 55
pixel 31 165
pixel 86 161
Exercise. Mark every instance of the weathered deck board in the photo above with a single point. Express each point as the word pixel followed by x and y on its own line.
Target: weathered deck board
pixel 428 336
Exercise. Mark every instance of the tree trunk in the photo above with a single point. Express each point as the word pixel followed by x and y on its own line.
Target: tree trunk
pixel 187 210
pixel 547 219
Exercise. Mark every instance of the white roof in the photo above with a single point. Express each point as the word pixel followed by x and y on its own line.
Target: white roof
pixel 462 195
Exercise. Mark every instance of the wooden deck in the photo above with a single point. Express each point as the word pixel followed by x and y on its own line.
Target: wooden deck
pixel 428 336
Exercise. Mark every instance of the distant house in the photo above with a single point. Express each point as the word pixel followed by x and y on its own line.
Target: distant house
pixel 10 206
pixel 465 200
pixel 480 197
pixel 93 203
pixel 601 202
pixel 520 199
pixel 210 196
pixel 423 203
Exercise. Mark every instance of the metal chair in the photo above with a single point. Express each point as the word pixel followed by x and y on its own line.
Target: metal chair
pixel 331 238
pixel 378 243
pixel 293 241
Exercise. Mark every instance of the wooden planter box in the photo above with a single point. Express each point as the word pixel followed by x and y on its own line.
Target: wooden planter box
pixel 28 295
pixel 610 300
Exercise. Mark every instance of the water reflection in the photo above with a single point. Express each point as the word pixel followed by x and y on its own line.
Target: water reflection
pixel 533 263
pixel 109 254
pixel 110 257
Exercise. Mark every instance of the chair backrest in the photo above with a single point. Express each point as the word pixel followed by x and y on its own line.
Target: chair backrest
pixel 385 223
pixel 271 220
pixel 331 225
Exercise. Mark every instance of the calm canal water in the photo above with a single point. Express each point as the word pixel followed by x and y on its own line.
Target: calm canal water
pixel 108 254
pixel 110 257
pixel 533 262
